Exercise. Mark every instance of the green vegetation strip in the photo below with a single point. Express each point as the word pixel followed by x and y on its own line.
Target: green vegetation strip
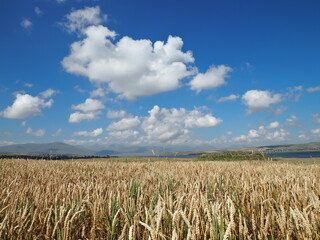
pixel 232 156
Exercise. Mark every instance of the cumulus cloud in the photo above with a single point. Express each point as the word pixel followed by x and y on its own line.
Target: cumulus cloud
pixel 89 110
pixel 99 92
pixel 197 120
pixel 90 105
pixel 262 135
pixel 24 123
pixel 124 124
pixel 273 125
pixel 258 100
pixel 231 97
pixel 116 114
pixel 37 133
pixel 129 67
pixel 293 120
pixel 25 106
pixel 26 23
pixel 161 125
pixel 315 131
pixel 167 125
pixel 164 125
pixel 38 11
pixel 48 93
pixel 313 89
pixel 214 77
pixel 304 137
pixel 78 20
pixel 77 117
pixel 126 134
pixel 57 133
pixel 93 133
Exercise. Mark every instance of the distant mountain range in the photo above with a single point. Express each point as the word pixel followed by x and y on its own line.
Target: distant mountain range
pixel 59 148
pixel 313 146
pixel 45 148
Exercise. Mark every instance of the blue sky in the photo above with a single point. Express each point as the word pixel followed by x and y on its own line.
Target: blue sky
pixel 208 74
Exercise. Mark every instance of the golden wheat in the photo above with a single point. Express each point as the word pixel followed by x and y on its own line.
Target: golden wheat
pixel 158 200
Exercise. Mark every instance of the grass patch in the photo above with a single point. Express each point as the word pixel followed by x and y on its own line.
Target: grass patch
pixel 233 156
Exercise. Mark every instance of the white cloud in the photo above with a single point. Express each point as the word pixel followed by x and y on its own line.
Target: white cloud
pixel 29 85
pixel 77 117
pixel 124 124
pixel 38 11
pixel 78 20
pixel 60 1
pixel 48 93
pixel 89 110
pixel 293 120
pixel 90 105
pixel 273 125
pixel 93 133
pixel 57 133
pixel 99 92
pixel 303 137
pixel 5 143
pixel 315 131
pixel 37 133
pixel 25 106
pixel 171 125
pixel 131 68
pixel 295 93
pixel 82 142
pixel 316 118
pixel 262 135
pixel 196 119
pixel 26 23
pixel 160 126
pixel 231 97
pixel 253 133
pixel 126 134
pixel 24 123
pixel 116 114
pixel 314 89
pixel 257 100
pixel 229 133
pixel 214 77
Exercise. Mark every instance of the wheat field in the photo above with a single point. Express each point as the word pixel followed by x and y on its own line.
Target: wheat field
pixel 158 200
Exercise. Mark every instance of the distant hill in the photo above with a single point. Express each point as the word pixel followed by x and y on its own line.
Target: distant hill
pixel 63 148
pixel 59 148
pixel 45 148
pixel 314 146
